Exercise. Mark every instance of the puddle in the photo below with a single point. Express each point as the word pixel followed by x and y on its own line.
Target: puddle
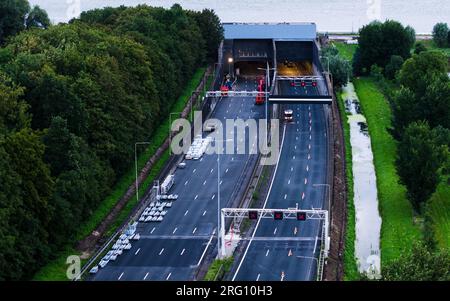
pixel 368 220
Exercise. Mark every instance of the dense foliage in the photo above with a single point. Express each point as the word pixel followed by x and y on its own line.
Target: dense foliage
pixel 75 98
pixel 340 68
pixel 378 42
pixel 420 265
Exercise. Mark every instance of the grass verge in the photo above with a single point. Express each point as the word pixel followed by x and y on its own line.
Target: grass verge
pixel 56 269
pixel 350 267
pixel 221 266
pixel 346 50
pixel 398 231
pixel 439 210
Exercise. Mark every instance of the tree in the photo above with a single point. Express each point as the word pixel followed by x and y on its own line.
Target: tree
pixel 38 18
pixel 12 17
pixel 419 158
pixel 419 265
pixel 440 34
pixel 340 68
pixel 420 67
pixel 394 65
pixel 212 31
pixel 379 41
pixel 420 47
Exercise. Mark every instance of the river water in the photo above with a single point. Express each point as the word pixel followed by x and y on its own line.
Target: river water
pixel 329 15
pixel 368 220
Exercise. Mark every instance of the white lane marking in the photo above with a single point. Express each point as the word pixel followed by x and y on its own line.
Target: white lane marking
pixel 214 195
pixel 220 183
pixel 152 230
pixel 196 197
pixel 307 167
pixel 137 251
pixel 285 196
pixel 201 159
pixel 185 183
pixel 303 196
pixel 186 212
pixel 162 250
pixel 204 183
pixel 194 170
pixel 264 206
pixel 120 276
pixel 289 181
pixel 275 231
pixel 174 230
pixel 306 181
pixel 293 157
pixel 309 146
pixel 257 278
pixel 145 277
pixel 295 146
pixel 182 252
pixel 212 169
pixel 206 248
pixel 310 137
pixel 296 138
pixel 309 157
pixel 292 168
pixel 195 229
pixel 168 276
pixel 204 213
pixel 267 253
pixel 310 128
pixel 226 170
pixel 315 245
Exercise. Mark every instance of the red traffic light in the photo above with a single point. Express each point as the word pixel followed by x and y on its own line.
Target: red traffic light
pixel 292 84
pixel 301 216
pixel 278 215
pixel 252 214
pixel 314 84
pixel 303 84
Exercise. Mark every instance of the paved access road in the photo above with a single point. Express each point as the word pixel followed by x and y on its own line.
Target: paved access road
pixel 173 248
pixel 302 163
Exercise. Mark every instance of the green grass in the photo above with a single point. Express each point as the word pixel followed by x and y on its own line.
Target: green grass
pixel 350 267
pixel 56 269
pixel 398 231
pixel 346 50
pixel 215 266
pixel 439 210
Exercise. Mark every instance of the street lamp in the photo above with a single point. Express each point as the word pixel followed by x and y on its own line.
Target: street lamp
pixel 267 69
pixel 219 229
pixel 136 167
pixel 230 61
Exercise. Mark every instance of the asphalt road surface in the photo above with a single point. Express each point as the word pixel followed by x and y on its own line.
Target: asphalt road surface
pixel 173 248
pixel 302 163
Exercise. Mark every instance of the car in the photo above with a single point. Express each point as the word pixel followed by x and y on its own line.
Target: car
pixel 154 219
pixel 103 263
pixel 137 236
pixel 182 165
pixel 158 204
pixel 169 204
pixel 163 204
pixel 160 218
pixel 288 115
pixel 119 251
pixel 173 196
pixel 188 156
pixel 152 213
pixel 127 247
pixel 163 213
pixel 152 204
pixel 108 255
pixel 115 246
pixel 164 197
pixel 142 219
pixel 148 218
pixel 156 213
pixel 123 236
pixel 113 257
pixel 125 241
pixel 160 208
pixel 94 270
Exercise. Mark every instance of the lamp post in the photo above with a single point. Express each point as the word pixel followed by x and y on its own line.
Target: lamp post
pixel 230 61
pixel 136 167
pixel 267 69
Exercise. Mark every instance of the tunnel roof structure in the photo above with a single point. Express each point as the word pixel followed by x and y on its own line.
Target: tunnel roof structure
pixel 274 31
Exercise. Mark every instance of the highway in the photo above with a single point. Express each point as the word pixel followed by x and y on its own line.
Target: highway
pixel 173 248
pixel 302 163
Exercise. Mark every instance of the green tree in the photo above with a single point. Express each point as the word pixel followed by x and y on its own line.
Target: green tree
pixel 419 159
pixel 340 68
pixel 12 17
pixel 420 47
pixel 394 65
pixel 38 18
pixel 212 31
pixel 440 34
pixel 420 265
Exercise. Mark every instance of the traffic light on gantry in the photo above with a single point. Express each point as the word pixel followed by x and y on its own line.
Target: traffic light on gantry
pixel 278 215
pixel 301 216
pixel 252 215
